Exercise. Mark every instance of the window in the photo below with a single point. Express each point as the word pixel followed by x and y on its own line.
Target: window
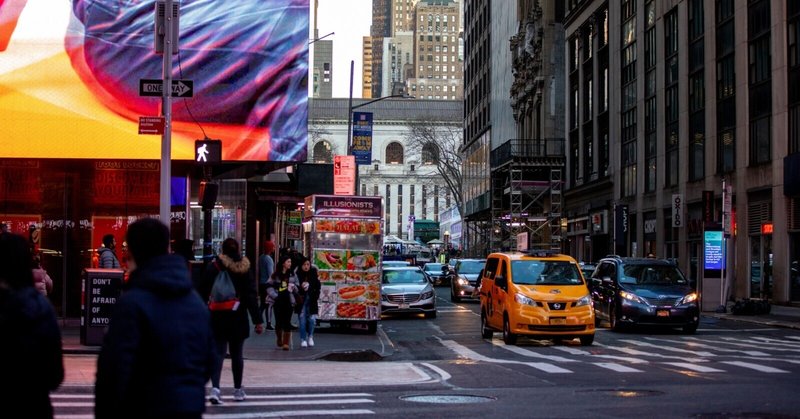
pixel 394 153
pixel 322 152
pixel 760 81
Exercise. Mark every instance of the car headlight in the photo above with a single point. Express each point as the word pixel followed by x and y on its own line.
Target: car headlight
pixel 463 281
pixel 586 300
pixel 427 294
pixel 522 299
pixel 689 298
pixel 631 297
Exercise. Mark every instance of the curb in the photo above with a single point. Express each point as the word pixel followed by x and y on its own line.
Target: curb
pixel 764 322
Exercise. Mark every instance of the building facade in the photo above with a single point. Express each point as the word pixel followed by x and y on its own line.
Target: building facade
pixel 438 72
pixel 323 69
pixel 399 173
pixel 366 67
pixel 666 100
pixel 488 121
pixel 381 28
pixel 398 62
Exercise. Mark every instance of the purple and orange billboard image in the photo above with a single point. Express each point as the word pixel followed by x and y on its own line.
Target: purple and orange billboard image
pixel 70 76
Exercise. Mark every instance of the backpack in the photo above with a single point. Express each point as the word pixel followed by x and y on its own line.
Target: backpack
pixel 223 294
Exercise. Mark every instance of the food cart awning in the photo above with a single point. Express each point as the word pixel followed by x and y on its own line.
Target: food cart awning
pixel 435 242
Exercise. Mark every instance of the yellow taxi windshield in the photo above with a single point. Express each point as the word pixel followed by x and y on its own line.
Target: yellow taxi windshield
pixel 542 272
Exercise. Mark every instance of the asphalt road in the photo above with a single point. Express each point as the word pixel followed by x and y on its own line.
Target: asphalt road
pixel 726 370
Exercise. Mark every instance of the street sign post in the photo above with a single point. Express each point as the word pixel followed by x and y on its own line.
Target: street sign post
pixel 155 87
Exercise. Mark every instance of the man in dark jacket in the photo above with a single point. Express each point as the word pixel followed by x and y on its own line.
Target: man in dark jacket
pixel 108 259
pixel 159 352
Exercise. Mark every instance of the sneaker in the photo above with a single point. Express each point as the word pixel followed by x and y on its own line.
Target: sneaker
pixel 216 396
pixel 238 395
pixel 303 344
pixel 310 341
pixel 269 327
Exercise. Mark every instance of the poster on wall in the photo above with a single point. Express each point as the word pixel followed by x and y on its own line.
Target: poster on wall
pixel 713 250
pixel 70 71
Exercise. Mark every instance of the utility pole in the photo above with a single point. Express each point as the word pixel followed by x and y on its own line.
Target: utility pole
pixel 169 26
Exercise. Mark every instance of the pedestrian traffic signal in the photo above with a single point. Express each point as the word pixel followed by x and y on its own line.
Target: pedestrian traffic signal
pixel 208 152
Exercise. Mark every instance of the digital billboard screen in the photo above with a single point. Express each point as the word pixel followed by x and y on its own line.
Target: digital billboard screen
pixel 70 76
pixel 714 250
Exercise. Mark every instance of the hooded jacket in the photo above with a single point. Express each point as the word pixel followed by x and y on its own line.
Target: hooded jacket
pixel 233 325
pixel 30 355
pixel 108 259
pixel 158 352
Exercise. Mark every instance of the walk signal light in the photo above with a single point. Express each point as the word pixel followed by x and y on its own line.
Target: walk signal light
pixel 208 152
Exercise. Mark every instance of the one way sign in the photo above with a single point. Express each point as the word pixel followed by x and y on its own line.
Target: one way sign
pixel 154 87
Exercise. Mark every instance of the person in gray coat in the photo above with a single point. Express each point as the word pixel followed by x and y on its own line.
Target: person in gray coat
pixel 108 259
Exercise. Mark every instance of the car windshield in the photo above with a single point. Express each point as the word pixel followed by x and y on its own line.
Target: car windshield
pixel 433 267
pixel 540 272
pixel 404 276
pixel 652 275
pixel 470 267
pixel 396 263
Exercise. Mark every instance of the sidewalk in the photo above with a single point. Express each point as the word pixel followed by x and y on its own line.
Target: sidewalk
pixel 779 316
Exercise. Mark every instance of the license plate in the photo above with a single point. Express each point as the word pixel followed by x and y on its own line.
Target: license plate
pixel 403 306
pixel 558 321
pixel 662 313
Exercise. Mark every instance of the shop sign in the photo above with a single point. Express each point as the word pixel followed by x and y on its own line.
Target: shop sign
pixel 766 228
pixel 101 289
pixel 344 175
pixel 708 206
pixel 650 226
pixel 119 183
pixel 620 224
pixel 295 218
pixel 677 210
pixel 713 250
pixel 348 206
pixel 21 184
pixel 294 232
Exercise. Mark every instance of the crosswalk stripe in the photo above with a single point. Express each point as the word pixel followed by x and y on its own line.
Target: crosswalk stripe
pixel 549 368
pixel 745 343
pixel 693 367
pixel 777 342
pixel 695 342
pixel 295 402
pixel 576 351
pixel 631 351
pixel 793 337
pixel 287 413
pixel 57 396
pixel 571 351
pixel 616 367
pixel 667 348
pixel 525 352
pixel 757 367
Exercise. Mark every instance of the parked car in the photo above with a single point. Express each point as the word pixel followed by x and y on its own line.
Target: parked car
pixel 636 291
pixel 437 272
pixel 407 290
pixel 465 278
pixel 541 294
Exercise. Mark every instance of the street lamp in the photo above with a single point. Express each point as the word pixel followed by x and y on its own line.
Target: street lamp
pixel 350 109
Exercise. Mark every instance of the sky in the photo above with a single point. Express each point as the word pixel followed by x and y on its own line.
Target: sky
pixel 350 20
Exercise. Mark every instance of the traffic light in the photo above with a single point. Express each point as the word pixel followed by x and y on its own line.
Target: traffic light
pixel 208 152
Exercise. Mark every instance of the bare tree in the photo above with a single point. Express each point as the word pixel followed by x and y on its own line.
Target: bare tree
pixel 438 143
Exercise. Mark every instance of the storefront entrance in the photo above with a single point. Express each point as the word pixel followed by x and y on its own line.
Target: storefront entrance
pixel 761 266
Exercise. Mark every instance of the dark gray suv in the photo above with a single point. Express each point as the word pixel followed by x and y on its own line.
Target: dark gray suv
pixel 636 291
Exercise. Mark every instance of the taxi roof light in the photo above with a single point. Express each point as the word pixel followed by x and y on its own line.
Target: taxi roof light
pixel 543 253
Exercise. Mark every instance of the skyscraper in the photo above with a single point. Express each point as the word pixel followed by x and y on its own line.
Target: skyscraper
pixel 439 64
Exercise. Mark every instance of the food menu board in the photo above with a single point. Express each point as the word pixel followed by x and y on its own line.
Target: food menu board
pixel 351 284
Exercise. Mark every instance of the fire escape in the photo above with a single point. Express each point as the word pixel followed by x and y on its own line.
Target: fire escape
pixel 526 193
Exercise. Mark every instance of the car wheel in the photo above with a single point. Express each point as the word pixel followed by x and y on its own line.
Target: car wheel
pixel 486 333
pixel 690 329
pixel 508 337
pixel 586 340
pixel 430 314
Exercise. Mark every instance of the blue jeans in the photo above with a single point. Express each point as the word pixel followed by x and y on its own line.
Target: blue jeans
pixel 307 322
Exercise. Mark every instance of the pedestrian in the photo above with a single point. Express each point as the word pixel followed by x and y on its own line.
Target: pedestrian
pixel 266 267
pixel 283 288
pixel 108 259
pixel 30 352
pixel 231 327
pixel 40 277
pixel 158 352
pixel 308 310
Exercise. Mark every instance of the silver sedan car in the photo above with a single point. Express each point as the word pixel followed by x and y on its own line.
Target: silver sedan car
pixel 407 290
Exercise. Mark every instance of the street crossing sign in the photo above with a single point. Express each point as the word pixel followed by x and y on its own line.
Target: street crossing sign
pixel 208 152
pixel 154 87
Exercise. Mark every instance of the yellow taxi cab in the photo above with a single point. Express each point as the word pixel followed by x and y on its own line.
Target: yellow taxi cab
pixel 538 294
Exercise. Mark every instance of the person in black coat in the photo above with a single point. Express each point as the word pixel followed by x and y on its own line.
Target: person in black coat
pixel 30 349
pixel 309 291
pixel 158 352
pixel 231 327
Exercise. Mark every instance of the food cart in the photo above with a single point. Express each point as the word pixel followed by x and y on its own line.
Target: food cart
pixel 345 245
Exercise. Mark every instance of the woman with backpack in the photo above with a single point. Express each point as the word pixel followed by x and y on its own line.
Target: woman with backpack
pixel 308 310
pixel 282 288
pixel 229 317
